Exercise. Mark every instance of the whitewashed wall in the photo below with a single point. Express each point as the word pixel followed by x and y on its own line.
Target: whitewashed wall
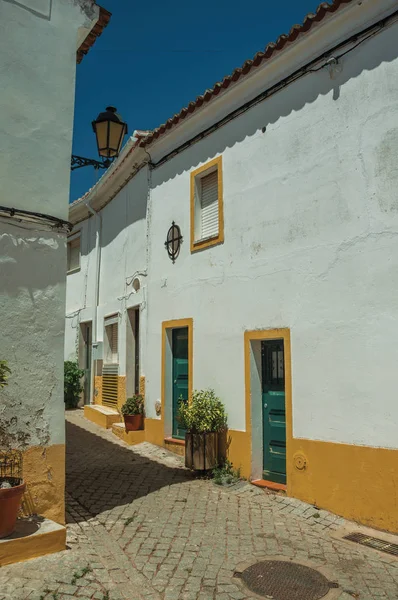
pixel 311 230
pixel 38 43
pixel 123 255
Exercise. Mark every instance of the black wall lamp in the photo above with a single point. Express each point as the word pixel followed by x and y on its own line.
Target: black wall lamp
pixel 109 130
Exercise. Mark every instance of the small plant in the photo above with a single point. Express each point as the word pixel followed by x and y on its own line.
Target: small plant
pixel 4 373
pixel 133 405
pixel 129 520
pixel 83 572
pixel 203 413
pixel 72 383
pixel 226 474
pixel 106 596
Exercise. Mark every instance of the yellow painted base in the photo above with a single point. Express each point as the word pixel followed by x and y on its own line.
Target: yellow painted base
pixel 239 451
pixel 356 482
pixel 129 437
pixel 13 550
pixel 154 431
pixel 121 391
pixel 174 446
pixel 101 415
pixel 98 389
pixel 44 474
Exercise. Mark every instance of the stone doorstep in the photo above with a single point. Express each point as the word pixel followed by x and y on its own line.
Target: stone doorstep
pixel 101 415
pixel 32 539
pixel 129 437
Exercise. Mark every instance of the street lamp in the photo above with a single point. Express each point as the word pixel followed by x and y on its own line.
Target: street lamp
pixel 109 130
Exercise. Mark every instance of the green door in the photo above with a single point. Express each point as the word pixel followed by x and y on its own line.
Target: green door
pixel 274 414
pixel 180 375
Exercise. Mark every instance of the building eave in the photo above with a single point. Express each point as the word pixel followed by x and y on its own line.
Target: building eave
pixel 102 22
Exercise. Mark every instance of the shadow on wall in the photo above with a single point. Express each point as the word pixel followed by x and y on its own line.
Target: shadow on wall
pixel 379 49
pixel 101 475
pixel 31 261
pixel 47 4
pixel 127 208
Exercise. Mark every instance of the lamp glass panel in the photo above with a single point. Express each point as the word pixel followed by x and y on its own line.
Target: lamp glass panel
pixel 115 137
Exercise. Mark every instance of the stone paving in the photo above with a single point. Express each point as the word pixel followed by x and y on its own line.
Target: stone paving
pixel 141 527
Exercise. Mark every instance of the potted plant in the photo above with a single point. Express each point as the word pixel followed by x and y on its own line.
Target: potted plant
pixel 203 417
pixel 133 413
pixel 12 486
pixel 72 384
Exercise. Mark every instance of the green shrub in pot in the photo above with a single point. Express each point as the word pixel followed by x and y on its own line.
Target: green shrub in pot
pixel 204 418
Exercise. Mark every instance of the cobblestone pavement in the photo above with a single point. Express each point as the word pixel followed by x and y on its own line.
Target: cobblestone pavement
pixel 141 527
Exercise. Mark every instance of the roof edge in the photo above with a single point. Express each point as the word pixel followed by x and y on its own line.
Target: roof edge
pixel 273 48
pixel 103 20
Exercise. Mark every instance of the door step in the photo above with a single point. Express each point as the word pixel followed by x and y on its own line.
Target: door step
pixel 101 415
pixel 270 485
pixel 129 437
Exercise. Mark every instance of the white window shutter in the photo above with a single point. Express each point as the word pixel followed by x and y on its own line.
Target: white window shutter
pixel 111 330
pixel 209 205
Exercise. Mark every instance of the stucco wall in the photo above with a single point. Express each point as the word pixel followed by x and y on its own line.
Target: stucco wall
pixel 310 233
pixel 38 50
pixel 123 254
pixel 38 43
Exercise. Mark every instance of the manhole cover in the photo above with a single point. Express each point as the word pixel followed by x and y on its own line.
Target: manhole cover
pixel 282 580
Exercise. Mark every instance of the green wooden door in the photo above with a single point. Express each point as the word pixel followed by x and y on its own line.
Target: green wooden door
pixel 274 414
pixel 180 375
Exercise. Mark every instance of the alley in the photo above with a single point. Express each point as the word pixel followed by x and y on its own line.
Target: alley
pixel 140 526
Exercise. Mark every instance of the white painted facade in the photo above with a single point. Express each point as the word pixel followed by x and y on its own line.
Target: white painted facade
pixel 38 44
pixel 122 231
pixel 310 224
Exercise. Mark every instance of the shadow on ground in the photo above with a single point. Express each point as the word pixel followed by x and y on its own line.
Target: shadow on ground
pixel 102 475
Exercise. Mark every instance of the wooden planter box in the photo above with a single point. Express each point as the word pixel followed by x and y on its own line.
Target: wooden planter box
pixel 201 451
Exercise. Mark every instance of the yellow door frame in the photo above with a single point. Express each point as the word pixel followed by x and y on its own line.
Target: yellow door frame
pixel 260 335
pixel 166 327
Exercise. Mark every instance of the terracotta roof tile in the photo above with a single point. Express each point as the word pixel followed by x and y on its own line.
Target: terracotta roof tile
pixel 103 20
pixel 309 22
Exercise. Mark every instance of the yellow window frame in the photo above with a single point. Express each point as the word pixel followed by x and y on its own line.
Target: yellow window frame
pixel 197 245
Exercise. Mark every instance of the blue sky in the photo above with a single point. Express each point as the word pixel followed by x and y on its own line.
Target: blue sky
pixel 155 57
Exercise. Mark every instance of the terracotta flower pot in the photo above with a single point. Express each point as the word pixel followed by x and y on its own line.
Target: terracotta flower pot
pixel 10 502
pixel 133 422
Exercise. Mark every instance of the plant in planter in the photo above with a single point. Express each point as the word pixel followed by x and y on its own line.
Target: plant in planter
pixel 12 486
pixel 72 384
pixel 203 418
pixel 133 413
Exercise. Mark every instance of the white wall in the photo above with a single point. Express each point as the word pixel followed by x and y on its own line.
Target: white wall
pixel 311 224
pixel 37 72
pixel 123 254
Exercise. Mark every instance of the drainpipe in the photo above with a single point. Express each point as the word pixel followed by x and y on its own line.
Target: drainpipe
pixel 94 341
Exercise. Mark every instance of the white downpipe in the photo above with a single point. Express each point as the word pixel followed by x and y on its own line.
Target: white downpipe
pixel 98 231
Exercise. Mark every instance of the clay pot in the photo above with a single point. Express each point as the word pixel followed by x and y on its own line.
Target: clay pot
pixel 133 422
pixel 10 502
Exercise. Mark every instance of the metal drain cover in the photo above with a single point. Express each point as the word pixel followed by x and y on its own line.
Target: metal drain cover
pixel 282 580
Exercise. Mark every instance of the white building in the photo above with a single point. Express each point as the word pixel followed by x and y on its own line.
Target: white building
pixel 40 43
pixel 282 180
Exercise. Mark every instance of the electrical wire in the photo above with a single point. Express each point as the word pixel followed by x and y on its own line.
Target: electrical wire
pixel 26 216
pixel 360 37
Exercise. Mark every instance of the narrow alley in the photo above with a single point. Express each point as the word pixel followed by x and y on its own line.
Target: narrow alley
pixel 139 526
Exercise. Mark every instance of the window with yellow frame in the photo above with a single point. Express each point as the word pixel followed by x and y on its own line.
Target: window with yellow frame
pixel 207 213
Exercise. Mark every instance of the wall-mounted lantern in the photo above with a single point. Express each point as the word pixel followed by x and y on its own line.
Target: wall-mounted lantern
pixel 109 129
